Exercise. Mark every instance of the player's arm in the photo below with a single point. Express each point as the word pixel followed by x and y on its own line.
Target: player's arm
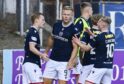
pixel 89 31
pixel 37 52
pixel 72 60
pixel 83 46
pixel 73 57
pixel 50 40
pixel 85 40
pixel 49 44
pixel 33 49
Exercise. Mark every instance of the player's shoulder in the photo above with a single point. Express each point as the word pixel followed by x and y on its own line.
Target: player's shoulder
pixel 32 30
pixel 110 35
pixel 106 35
pixel 57 24
pixel 78 21
pixel 99 36
pixel 111 32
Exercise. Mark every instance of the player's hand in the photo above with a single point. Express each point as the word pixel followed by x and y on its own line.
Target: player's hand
pixel 75 62
pixel 69 66
pixel 44 56
pixel 76 40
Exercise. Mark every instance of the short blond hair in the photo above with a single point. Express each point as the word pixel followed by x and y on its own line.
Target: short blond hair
pixel 67 8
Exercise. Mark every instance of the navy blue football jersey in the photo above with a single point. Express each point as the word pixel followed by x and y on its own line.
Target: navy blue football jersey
pixel 62 46
pixel 89 57
pixel 104 45
pixel 32 36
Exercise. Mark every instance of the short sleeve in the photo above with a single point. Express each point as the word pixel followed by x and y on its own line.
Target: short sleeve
pixel 33 37
pixel 78 27
pixel 86 26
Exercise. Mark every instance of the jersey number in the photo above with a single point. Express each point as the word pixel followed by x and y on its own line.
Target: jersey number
pixel 110 49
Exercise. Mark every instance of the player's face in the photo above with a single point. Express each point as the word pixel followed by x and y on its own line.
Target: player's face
pixel 67 15
pixel 102 25
pixel 41 21
pixel 90 11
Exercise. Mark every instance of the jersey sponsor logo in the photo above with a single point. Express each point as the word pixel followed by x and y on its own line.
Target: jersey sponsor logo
pixel 34 38
pixel 109 36
pixel 60 38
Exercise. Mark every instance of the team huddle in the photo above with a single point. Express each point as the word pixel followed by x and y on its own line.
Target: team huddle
pixel 86 49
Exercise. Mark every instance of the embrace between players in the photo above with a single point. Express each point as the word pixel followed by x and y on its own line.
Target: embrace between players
pixel 69 41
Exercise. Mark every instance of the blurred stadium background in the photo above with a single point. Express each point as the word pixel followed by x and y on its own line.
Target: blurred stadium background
pixel 15 19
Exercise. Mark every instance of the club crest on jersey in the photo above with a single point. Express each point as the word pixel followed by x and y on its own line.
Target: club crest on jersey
pixel 76 29
pixel 60 33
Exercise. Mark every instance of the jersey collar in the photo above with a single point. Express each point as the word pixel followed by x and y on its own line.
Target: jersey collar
pixel 84 18
pixel 105 31
pixel 34 28
pixel 67 24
